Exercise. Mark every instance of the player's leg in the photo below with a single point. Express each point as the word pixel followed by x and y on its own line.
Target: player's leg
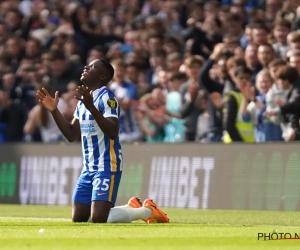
pixel 134 210
pixel 105 189
pixel 81 206
pixel 104 194
pixel 128 213
pixel 80 212
pixel 100 211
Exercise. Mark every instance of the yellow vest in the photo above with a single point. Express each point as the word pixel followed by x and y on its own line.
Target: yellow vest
pixel 246 129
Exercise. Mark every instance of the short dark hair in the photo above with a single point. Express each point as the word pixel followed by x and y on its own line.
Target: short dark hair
pixel 109 69
pixel 159 52
pixel 250 25
pixel 260 26
pixel 99 48
pixel 134 65
pixel 155 36
pixel 234 18
pixel 5 58
pixel 267 45
pixel 177 76
pixel 228 38
pixel 194 59
pixel 242 70
pixel 287 73
pixel 18 13
pixel 56 55
pixel 36 41
pixel 281 22
pixel 171 39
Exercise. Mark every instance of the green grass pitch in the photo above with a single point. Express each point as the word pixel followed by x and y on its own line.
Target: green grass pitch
pixel 189 229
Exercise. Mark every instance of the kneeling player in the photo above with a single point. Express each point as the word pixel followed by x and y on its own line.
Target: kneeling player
pixel 97 119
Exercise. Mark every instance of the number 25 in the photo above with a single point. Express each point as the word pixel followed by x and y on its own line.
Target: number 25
pixel 104 185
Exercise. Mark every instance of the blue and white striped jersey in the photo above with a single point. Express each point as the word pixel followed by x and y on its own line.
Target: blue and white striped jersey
pixel 100 153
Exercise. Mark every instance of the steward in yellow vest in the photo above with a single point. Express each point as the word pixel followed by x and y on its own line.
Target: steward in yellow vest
pixel 235 129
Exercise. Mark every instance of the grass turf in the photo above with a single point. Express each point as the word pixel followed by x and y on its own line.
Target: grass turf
pixel 189 229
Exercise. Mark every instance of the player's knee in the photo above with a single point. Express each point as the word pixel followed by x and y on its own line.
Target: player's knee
pixel 78 218
pixel 98 218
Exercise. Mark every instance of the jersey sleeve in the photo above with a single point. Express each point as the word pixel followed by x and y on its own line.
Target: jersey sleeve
pixel 109 106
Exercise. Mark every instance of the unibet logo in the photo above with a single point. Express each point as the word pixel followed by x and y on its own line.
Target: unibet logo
pixel 8 178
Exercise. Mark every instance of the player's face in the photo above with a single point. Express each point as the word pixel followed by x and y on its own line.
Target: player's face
pixel 91 72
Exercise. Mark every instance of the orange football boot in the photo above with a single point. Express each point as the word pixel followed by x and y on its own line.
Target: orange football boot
pixel 135 202
pixel 158 216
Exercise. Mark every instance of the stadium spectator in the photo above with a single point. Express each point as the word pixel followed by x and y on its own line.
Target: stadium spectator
pixel 46 41
pixel 69 99
pixel 40 118
pixel 294 60
pixel 126 93
pixel 189 109
pixel 260 34
pixel 156 60
pixel 251 59
pixel 213 85
pixel 273 95
pixel 234 104
pixel 13 116
pixel 293 39
pixel 265 54
pixel 203 124
pixel 287 79
pixel 152 131
pixel 264 130
pixel 174 128
pixel 62 71
pixel 282 28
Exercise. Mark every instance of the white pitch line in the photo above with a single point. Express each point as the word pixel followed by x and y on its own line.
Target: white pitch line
pixel 35 218
pixel 205 224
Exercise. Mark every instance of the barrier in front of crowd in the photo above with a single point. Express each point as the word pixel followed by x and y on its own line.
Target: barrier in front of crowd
pixel 210 176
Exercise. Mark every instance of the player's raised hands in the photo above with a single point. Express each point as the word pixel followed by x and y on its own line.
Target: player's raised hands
pixel 86 97
pixel 46 99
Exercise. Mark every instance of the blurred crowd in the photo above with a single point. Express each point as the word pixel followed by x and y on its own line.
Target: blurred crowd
pixel 185 70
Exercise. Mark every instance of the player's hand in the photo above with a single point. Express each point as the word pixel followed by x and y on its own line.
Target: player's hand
pixel 46 99
pixel 86 97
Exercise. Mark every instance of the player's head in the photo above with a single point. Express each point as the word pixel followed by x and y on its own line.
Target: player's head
pixel 97 73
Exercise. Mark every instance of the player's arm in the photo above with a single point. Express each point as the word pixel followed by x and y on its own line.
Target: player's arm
pixel 70 130
pixel 108 121
pixel 109 125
